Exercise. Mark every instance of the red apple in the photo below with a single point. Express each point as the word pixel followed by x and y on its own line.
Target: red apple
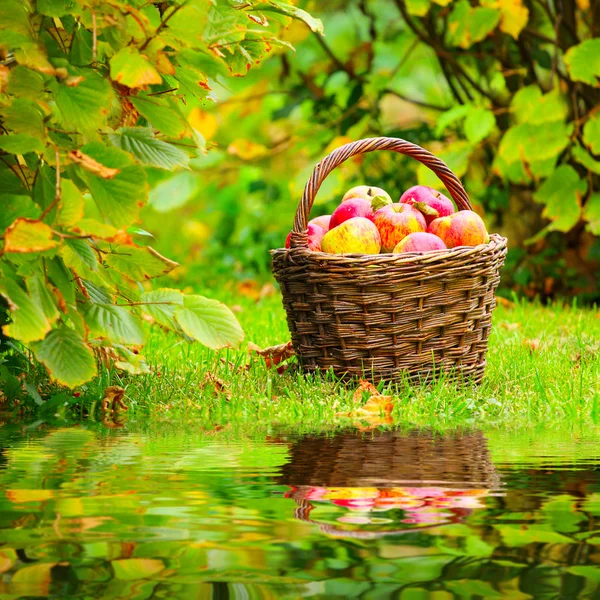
pixel 355 207
pixel 421 197
pixel 366 191
pixel 315 235
pixel 354 236
pixel 420 242
pixel 322 221
pixel 395 222
pixel 464 228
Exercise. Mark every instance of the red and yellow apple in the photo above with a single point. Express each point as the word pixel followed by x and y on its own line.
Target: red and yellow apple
pixel 421 241
pixel 354 236
pixel 464 228
pixel 354 207
pixel 315 235
pixel 428 200
pixel 322 221
pixel 395 222
pixel 366 191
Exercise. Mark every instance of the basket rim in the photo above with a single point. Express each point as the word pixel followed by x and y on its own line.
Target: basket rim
pixel 496 243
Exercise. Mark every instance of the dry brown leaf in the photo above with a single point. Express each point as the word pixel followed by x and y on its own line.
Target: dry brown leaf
pixel 112 405
pixel 510 326
pixel 376 411
pixel 504 302
pixel 274 354
pixel 364 386
pixel 533 345
pixel 93 166
pixel 219 385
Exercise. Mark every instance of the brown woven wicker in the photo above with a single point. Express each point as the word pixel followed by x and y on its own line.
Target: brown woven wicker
pixel 389 316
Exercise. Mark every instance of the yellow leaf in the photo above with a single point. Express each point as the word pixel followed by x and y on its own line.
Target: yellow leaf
pixel 34 574
pixel 514 16
pixel 129 569
pixel 21 496
pixel 205 122
pixel 28 235
pixel 246 149
pixel 8 558
pixel 583 4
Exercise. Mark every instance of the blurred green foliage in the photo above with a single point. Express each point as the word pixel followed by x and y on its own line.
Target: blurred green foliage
pixel 506 92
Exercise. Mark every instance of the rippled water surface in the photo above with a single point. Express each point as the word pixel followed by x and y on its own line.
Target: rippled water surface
pixel 86 514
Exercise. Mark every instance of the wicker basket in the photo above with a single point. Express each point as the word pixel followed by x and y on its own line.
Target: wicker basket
pixel 389 316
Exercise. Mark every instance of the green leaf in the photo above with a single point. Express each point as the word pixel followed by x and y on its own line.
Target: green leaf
pixel 591 213
pixel 292 11
pixel 479 123
pixel 141 143
pixel 515 536
pixel 14 206
pixel 42 297
pixel 68 359
pixel 456 113
pixel 113 322
pixel 82 47
pixel 130 361
pixel 467 588
pixel 468 25
pixel 24 82
pixel 85 106
pixel 55 8
pixel 139 263
pixel 20 143
pixel 591 134
pixel 130 569
pixel 29 323
pixel 583 62
pixel 162 304
pixel 418 8
pixel 529 105
pixel 174 192
pixel 79 256
pixel 210 322
pixel 70 207
pixel 162 113
pixel 129 67
pixel 61 278
pixel 589 572
pixel 561 196
pixel 584 158
pixel 534 143
pixel 24 116
pixel 119 199
pixel 28 235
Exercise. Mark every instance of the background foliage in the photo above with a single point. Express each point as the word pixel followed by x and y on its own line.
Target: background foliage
pixel 505 91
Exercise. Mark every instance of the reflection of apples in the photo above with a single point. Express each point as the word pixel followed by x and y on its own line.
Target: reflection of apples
pixel 357 235
pixel 356 503
pixel 420 241
pixel 464 228
pixel 422 197
pixel 367 191
pixel 315 236
pixel 355 207
pixel 395 222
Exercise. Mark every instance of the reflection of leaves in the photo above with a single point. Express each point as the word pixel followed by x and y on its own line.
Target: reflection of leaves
pixel 130 569
pixel 515 535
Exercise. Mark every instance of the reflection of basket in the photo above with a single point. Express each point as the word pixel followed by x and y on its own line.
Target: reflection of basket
pixel 387 316
pixel 388 460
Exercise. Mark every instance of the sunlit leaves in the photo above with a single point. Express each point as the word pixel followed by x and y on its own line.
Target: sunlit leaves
pixel 514 15
pixel 70 206
pixel 583 62
pixel 209 322
pixel 292 11
pixel 115 323
pixel 468 25
pixel 162 113
pixel 139 263
pixel 20 143
pixel 479 123
pixel 161 305
pixel 529 105
pixel 561 195
pixel 132 69
pixel 591 213
pixel 14 206
pixel 591 134
pixel 67 357
pixel 174 192
pixel 147 149
pixel 28 235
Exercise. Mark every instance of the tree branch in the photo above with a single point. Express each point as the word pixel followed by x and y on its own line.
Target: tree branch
pixel 415 101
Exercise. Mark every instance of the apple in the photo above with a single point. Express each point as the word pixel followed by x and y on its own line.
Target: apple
pixel 354 236
pixel 315 235
pixel 463 228
pixel 395 222
pixel 420 241
pixel 425 198
pixel 368 192
pixel 355 207
pixel 322 221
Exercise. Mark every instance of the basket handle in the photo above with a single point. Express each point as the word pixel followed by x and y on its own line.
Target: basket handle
pixel 322 169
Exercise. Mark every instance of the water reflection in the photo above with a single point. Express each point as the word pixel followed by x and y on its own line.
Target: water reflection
pixel 377 515
pixel 389 483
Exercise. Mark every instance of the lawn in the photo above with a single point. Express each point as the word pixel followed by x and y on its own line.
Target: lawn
pixel 543 368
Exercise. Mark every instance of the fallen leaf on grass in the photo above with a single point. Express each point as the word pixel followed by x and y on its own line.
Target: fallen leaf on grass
pixel 504 302
pixel 533 345
pixel 251 289
pixel 274 354
pixel 112 405
pixel 510 326
pixel 375 412
pixel 219 385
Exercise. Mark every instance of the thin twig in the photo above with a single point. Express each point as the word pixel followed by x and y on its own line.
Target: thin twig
pixel 94 37
pixel 414 101
pixel 162 25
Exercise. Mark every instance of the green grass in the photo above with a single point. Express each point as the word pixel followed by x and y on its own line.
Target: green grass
pixel 543 369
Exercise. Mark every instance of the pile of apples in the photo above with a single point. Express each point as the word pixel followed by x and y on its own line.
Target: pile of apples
pixel 368 222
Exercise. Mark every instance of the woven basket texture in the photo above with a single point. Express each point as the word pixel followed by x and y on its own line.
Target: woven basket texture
pixel 393 317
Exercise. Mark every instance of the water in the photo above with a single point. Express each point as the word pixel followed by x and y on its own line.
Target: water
pixel 87 514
